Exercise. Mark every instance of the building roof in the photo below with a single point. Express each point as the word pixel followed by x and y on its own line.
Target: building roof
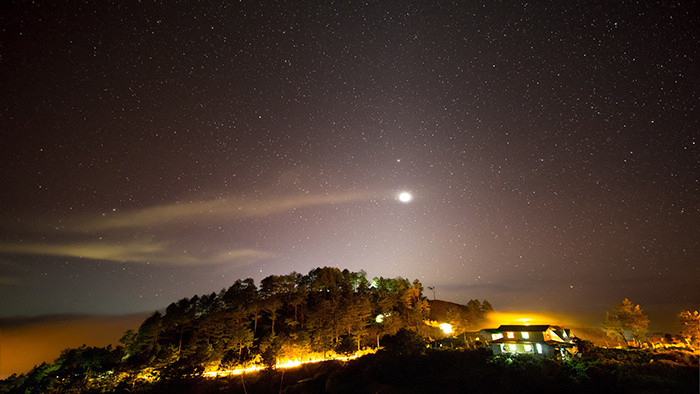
pixel 523 328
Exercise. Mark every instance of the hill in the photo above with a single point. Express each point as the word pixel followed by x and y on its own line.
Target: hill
pixel 294 318
pixel 470 317
pixel 249 339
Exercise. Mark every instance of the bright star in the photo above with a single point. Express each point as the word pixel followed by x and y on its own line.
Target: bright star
pixel 405 197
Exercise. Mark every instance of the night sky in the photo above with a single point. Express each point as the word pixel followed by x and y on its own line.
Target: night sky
pixel 153 151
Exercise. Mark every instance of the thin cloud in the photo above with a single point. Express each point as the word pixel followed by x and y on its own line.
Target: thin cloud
pixel 239 255
pixel 138 252
pixel 9 281
pixel 172 251
pixel 237 209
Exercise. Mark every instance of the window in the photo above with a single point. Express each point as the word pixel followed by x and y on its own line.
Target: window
pixel 528 348
pixel 513 348
pixel 511 335
pixel 526 335
pixel 539 348
pixel 496 336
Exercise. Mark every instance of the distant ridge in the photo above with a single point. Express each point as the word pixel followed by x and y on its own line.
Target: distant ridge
pixel 439 309
pixel 18 321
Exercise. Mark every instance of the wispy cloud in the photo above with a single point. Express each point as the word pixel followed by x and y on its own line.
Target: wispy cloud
pixel 224 208
pixel 169 247
pixel 139 252
pixel 8 281
pixel 134 251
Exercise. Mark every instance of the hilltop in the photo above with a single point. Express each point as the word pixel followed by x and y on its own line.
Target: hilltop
pixel 275 337
pixel 293 318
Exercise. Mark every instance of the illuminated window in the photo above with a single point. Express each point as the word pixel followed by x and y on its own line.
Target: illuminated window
pixel 526 335
pixel 496 336
pixel 539 348
pixel 528 348
pixel 511 335
pixel 513 347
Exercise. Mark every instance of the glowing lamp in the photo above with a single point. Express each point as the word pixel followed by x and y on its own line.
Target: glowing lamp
pixel 446 328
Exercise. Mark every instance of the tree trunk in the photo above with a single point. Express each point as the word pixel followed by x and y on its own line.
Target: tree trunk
pixel 624 339
pixel 179 345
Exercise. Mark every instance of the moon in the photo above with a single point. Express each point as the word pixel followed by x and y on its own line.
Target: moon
pixel 405 197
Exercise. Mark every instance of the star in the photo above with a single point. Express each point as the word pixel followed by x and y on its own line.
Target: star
pixel 405 197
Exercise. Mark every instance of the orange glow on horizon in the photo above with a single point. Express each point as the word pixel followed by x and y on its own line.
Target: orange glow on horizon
pixel 496 319
pixel 29 344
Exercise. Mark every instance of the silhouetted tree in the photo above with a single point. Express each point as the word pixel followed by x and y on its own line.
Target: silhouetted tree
pixel 271 306
pixel 405 342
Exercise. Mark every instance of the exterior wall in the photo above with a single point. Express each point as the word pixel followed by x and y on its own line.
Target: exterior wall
pixel 519 348
pixel 548 350
pixel 537 337
pixel 534 336
pixel 496 349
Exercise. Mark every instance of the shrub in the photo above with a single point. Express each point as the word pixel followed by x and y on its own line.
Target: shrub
pixel 405 342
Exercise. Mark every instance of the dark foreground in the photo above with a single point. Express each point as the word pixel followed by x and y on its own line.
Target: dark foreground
pixel 469 371
pixel 476 371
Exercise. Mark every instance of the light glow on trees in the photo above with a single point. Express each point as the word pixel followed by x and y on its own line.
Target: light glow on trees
pixel 380 317
pixel 284 364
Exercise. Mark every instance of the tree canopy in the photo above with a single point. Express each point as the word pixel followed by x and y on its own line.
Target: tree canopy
pixel 627 321
pixel 690 327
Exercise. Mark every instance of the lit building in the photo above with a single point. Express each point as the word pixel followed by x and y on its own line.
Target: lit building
pixel 545 340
